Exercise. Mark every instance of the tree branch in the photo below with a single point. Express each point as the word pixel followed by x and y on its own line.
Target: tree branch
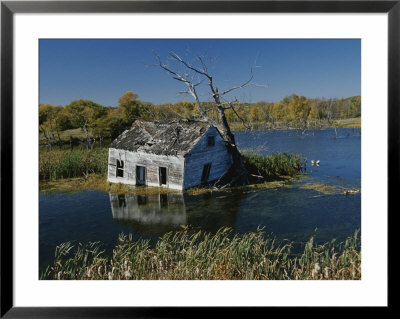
pixel 248 82
pixel 191 86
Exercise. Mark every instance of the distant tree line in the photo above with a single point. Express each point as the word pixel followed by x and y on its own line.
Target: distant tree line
pixel 105 122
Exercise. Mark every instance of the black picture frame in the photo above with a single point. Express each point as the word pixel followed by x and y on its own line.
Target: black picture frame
pixel 9 8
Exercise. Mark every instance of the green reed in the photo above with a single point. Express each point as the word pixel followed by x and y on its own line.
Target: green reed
pixel 57 164
pixel 187 255
pixel 272 166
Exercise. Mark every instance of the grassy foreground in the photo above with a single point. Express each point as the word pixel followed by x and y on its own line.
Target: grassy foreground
pixel 184 255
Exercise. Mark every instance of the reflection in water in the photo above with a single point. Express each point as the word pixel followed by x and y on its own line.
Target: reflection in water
pixel 158 213
pixel 164 209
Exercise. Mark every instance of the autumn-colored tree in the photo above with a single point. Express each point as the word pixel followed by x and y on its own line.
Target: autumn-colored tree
pixel 52 120
pixel 108 126
pixel 84 114
pixel 131 107
pixel 47 123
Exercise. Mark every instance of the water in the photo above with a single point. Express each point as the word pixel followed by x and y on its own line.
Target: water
pixel 292 213
pixel 339 154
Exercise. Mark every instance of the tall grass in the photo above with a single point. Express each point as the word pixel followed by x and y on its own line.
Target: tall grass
pixel 275 165
pixel 184 255
pixel 57 164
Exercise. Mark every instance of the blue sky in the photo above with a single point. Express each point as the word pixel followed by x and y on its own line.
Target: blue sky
pixel 102 70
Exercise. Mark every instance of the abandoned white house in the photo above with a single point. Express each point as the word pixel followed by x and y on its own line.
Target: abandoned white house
pixel 178 155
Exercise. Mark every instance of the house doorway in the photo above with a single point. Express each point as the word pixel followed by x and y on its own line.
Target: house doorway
pixel 140 175
pixel 206 172
pixel 163 175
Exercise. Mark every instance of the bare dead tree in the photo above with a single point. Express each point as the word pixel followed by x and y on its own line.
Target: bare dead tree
pixel 192 76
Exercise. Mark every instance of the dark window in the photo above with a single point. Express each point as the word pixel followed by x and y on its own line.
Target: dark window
pixel 120 168
pixel 206 173
pixel 211 140
pixel 163 175
pixel 140 175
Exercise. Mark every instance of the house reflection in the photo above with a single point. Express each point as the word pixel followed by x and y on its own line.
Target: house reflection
pixel 156 214
pixel 164 209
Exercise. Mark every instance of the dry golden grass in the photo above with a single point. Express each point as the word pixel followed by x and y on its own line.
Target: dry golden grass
pixel 64 135
pixel 349 123
pixel 184 255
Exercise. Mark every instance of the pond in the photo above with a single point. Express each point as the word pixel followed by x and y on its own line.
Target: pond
pixel 294 212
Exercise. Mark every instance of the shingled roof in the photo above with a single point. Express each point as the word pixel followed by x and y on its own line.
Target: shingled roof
pixel 161 138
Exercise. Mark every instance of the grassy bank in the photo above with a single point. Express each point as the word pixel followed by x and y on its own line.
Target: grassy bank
pixel 353 122
pixel 349 123
pixel 98 182
pixel 184 255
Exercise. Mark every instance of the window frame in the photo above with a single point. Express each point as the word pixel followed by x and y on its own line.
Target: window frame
pixel 144 177
pixel 120 168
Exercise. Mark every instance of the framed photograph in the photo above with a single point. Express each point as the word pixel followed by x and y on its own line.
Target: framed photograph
pixel 163 155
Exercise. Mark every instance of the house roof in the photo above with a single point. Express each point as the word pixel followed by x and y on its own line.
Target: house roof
pixel 161 138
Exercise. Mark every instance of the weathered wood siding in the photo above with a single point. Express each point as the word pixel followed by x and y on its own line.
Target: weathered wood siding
pixel 202 154
pixel 174 165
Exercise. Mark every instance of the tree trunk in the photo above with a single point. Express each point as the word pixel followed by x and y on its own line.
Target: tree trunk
pixel 237 174
pixel 86 136
pixel 225 128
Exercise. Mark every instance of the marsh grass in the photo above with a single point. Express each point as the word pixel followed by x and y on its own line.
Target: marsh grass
pixel 323 188
pixel 330 189
pixel 187 255
pixel 275 166
pixel 58 164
